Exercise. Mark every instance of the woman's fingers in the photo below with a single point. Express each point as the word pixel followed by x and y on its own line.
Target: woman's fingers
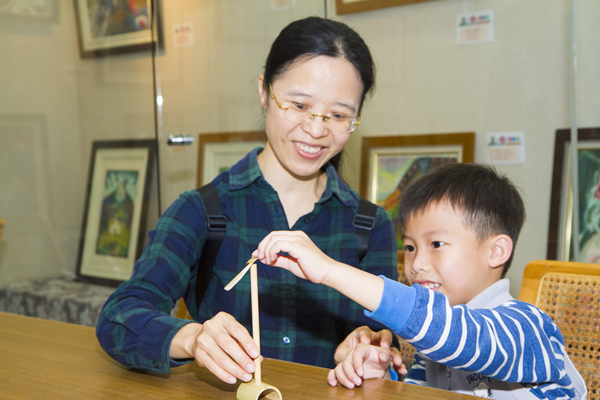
pixel 225 348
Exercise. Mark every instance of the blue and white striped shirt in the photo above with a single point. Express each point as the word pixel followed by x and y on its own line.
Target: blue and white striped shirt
pixel 495 346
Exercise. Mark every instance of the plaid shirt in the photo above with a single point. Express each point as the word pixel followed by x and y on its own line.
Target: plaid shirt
pixel 300 321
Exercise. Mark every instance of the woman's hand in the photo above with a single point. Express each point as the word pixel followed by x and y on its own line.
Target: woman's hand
pixel 221 344
pixel 305 259
pixel 365 361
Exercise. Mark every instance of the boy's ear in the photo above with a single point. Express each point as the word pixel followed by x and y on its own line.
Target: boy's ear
pixel 501 250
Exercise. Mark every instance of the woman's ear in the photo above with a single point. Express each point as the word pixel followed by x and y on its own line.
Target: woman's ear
pixel 263 93
pixel 501 250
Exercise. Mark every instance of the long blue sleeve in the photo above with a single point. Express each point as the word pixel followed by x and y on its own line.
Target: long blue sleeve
pixel 513 342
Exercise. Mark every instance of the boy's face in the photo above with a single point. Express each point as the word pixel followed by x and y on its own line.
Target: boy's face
pixel 444 255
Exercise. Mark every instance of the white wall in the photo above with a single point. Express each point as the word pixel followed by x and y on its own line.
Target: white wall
pixel 519 82
pixel 426 84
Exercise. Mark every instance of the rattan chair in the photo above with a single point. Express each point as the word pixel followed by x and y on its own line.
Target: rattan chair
pixel 406 350
pixel 568 293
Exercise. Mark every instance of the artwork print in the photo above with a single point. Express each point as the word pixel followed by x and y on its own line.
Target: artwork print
pixel 589 205
pixel 116 208
pixel 395 173
pixel 120 188
pixel 117 17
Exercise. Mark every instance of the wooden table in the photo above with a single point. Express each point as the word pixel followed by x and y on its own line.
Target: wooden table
pixel 41 359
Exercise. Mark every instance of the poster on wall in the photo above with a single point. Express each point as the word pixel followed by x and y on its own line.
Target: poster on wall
pixel 390 164
pixel 117 26
pixel 114 220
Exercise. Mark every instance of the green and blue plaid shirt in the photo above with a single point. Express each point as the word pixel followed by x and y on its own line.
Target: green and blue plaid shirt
pixel 300 321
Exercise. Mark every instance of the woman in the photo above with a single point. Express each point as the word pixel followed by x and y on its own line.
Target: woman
pixel 316 77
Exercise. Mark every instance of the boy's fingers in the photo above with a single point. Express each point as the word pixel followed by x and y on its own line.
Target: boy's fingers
pixel 358 359
pixel 352 366
pixel 342 378
pixel 384 356
pixel 331 379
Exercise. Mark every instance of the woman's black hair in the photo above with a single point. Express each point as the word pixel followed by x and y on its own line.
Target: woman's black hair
pixel 312 37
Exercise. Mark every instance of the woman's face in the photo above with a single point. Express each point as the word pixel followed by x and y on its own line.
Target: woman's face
pixel 324 85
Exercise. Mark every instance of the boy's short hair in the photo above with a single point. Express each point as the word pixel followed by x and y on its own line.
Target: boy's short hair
pixel 489 202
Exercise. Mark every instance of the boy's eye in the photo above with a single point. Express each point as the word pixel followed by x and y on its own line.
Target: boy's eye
pixel 437 245
pixel 408 248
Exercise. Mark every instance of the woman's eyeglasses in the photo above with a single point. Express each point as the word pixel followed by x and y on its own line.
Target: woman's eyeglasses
pixel 301 114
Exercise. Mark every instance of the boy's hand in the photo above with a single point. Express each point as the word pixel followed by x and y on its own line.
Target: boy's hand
pixel 305 259
pixel 363 362
pixel 364 334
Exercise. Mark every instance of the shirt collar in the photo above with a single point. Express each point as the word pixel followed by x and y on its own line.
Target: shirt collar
pixel 246 171
pixel 337 187
pixel 496 294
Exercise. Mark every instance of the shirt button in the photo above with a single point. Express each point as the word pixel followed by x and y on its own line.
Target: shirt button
pixel 286 340
pixel 288 294
pixel 154 364
pixel 306 220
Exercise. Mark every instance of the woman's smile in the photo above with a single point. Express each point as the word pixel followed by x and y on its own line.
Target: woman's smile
pixel 308 151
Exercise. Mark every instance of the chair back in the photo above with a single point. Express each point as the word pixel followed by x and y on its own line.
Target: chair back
pixel 569 293
pixel 406 350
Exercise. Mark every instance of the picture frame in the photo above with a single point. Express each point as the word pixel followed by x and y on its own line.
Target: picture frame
pixel 560 243
pixel 354 6
pixel 109 29
pixel 390 163
pixel 217 152
pixel 116 205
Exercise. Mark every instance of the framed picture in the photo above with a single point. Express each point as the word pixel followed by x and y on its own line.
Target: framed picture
pixel 354 6
pixel 116 27
pixel 560 242
pixel 389 164
pixel 114 219
pixel 217 152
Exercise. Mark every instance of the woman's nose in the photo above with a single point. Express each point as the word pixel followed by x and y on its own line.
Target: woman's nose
pixel 316 127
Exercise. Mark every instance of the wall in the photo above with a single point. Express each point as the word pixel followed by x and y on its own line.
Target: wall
pixel 41 181
pixel 426 84
pixel 519 82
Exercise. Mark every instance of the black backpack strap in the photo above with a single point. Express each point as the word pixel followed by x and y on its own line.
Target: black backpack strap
pixel 364 222
pixel 216 225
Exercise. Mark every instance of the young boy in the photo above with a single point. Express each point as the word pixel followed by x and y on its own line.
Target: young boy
pixel 461 224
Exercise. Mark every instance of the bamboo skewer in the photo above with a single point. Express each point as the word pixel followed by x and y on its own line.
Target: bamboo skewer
pixel 255 322
pixel 253 390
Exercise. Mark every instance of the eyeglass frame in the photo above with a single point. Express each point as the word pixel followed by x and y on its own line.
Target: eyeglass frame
pixel 354 122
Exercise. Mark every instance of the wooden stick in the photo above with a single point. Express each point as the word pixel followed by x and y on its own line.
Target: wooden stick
pixel 255 322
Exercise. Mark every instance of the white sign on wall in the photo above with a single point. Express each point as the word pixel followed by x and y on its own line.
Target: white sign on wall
pixel 183 35
pixel 506 148
pixel 282 4
pixel 475 27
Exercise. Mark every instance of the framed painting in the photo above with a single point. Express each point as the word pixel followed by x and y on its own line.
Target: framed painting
pixel 560 235
pixel 389 164
pixel 114 219
pixel 354 6
pixel 115 27
pixel 217 152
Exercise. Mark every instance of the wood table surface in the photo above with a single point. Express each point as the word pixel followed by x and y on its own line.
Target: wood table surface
pixel 43 359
